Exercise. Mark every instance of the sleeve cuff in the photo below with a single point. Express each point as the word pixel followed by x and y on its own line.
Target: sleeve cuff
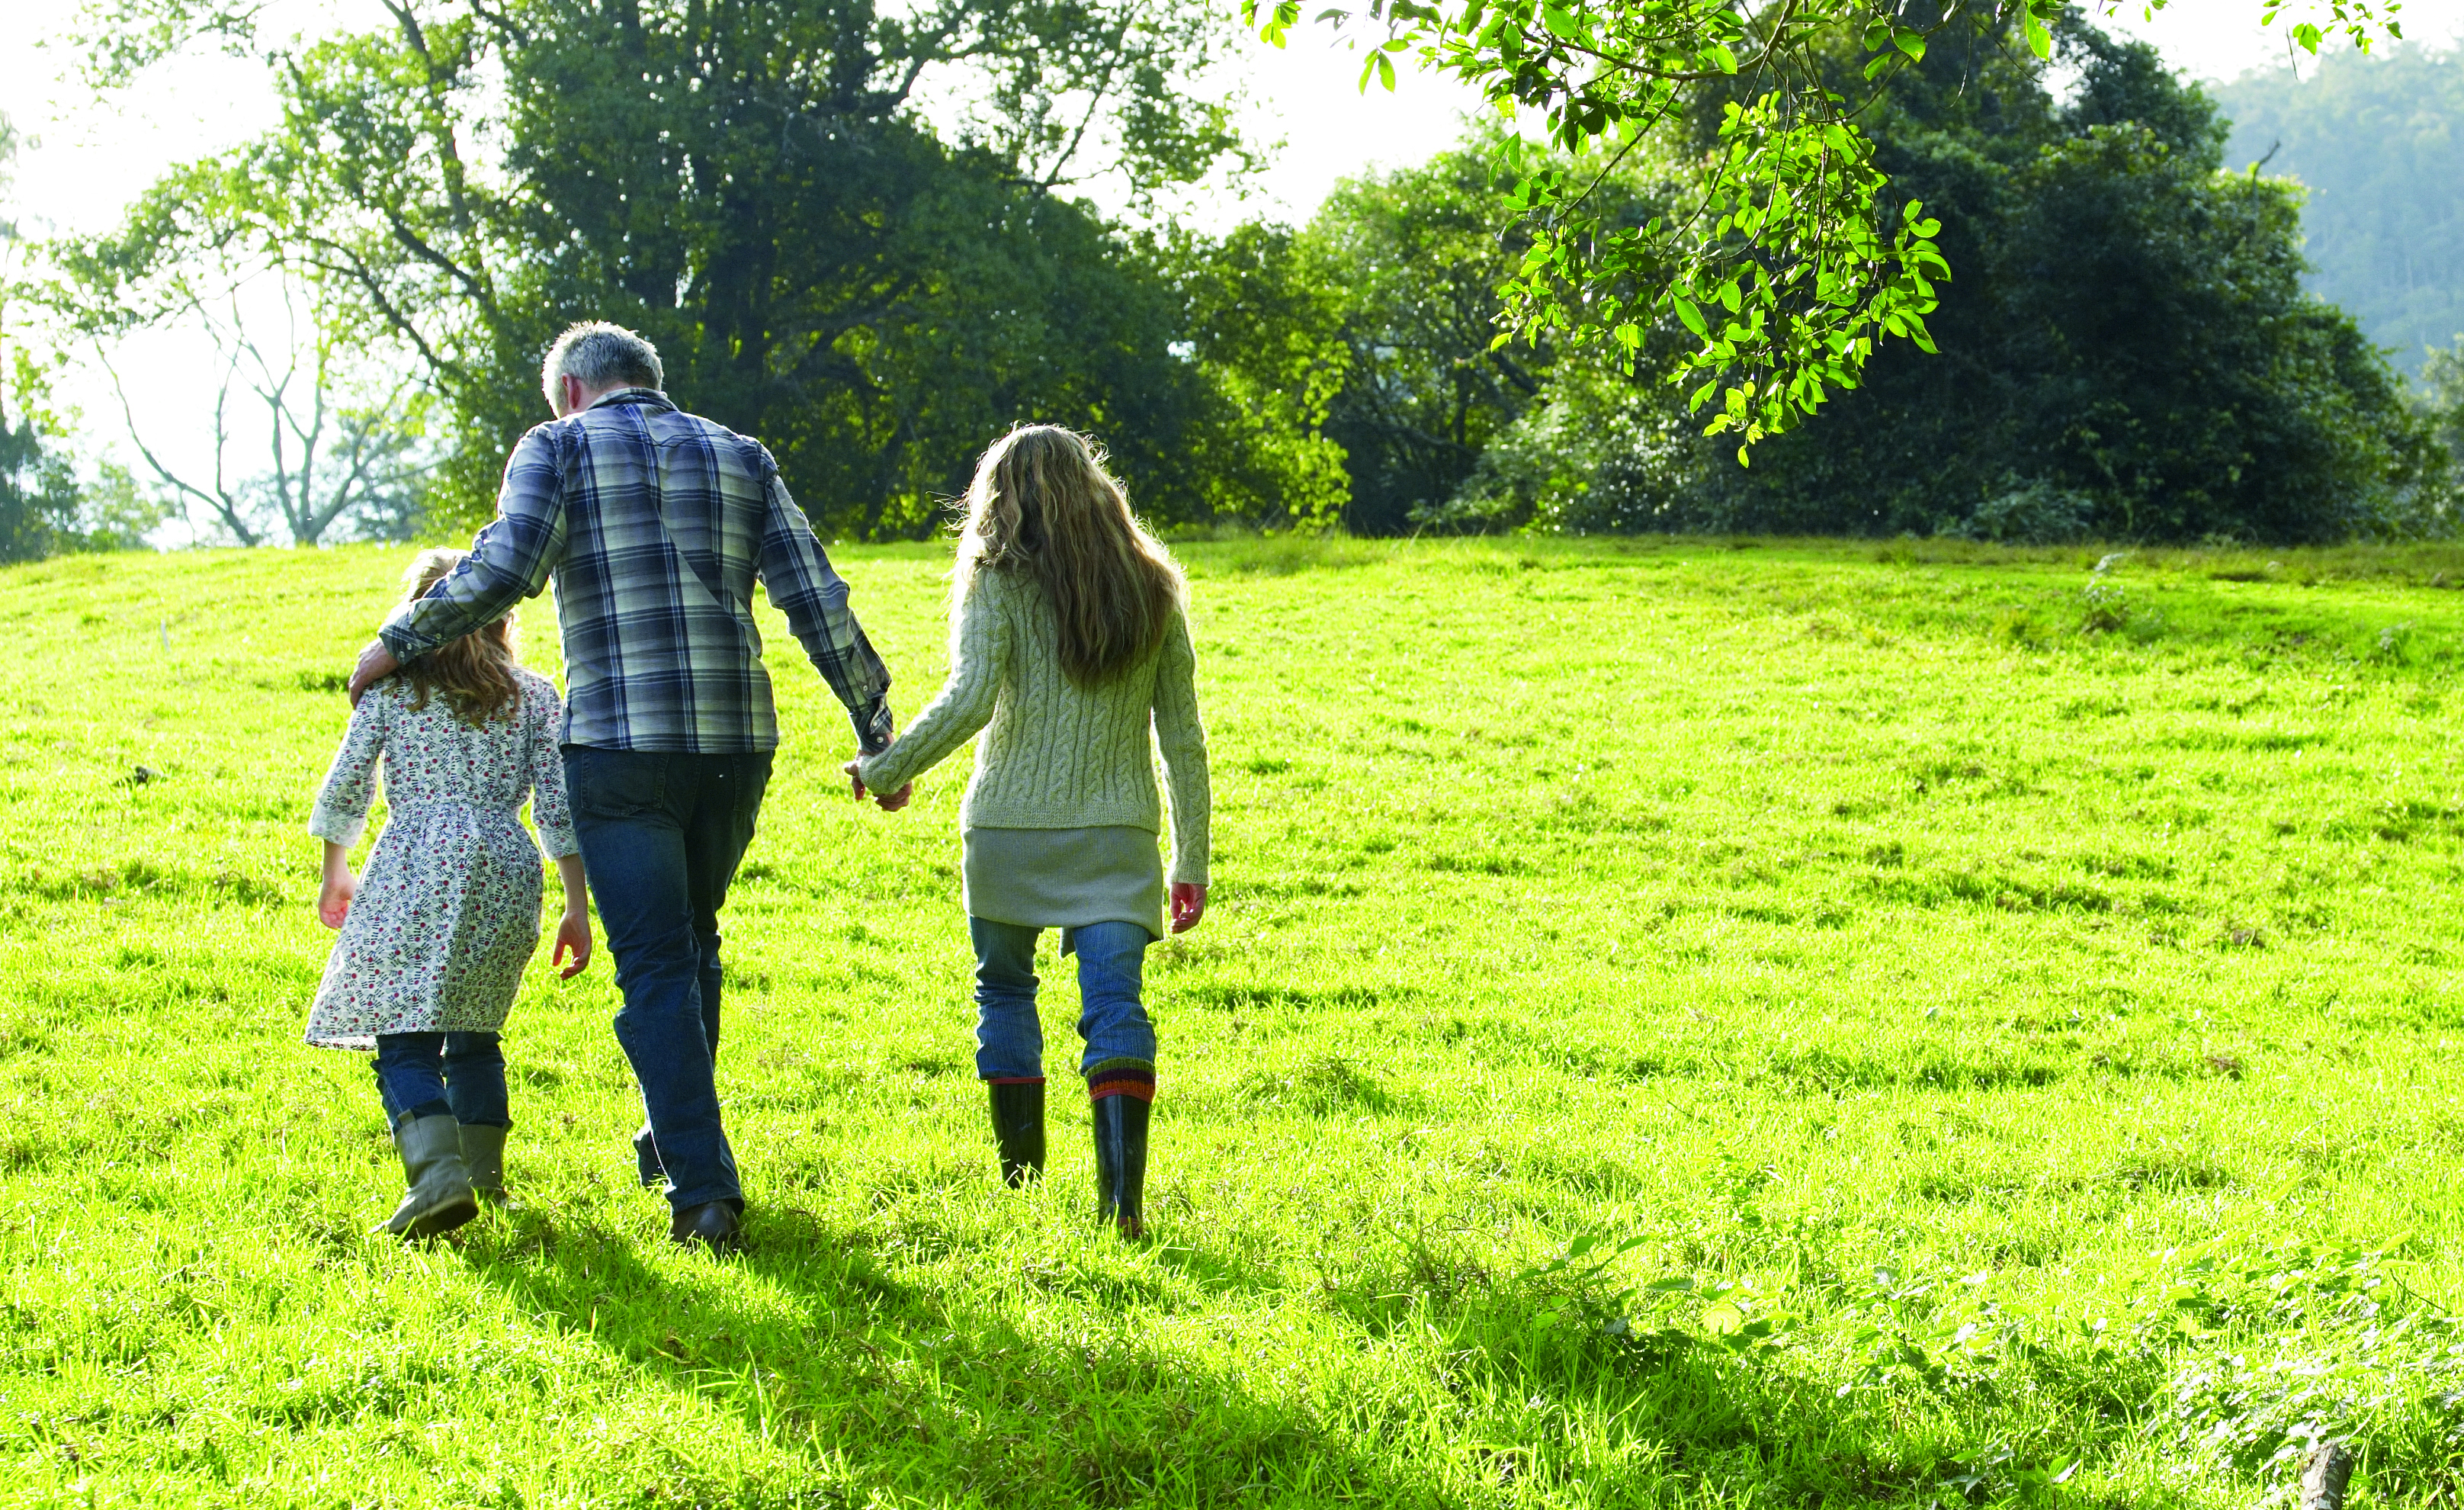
pixel 399 639
pixel 872 729
pixel 869 766
pixel 335 827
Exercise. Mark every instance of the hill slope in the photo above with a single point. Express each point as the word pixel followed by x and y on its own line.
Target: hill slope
pixel 2378 142
pixel 1797 1025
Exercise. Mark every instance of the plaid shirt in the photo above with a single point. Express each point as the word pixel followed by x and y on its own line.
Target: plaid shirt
pixel 655 524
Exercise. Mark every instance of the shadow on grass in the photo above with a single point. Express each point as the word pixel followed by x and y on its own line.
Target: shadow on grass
pixel 830 1357
pixel 1452 1390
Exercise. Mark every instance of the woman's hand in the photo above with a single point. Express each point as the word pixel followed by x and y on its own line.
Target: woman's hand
pixel 1188 904
pixel 572 937
pixel 334 899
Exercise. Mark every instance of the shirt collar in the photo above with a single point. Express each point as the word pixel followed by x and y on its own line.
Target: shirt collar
pixel 649 396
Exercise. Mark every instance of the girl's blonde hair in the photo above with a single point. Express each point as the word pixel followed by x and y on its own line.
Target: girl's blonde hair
pixel 1043 504
pixel 475 673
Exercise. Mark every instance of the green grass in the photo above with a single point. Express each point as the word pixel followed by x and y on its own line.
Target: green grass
pixel 1704 1021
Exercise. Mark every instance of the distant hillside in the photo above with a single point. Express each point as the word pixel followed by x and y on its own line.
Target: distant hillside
pixel 2380 143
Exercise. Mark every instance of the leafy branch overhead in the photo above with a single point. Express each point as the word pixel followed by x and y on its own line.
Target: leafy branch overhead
pixel 1784 256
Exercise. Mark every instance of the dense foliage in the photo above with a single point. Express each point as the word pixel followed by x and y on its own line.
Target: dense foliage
pixel 756 188
pixel 2125 352
pixel 2441 398
pixel 1419 254
pixel 37 498
pixel 2378 144
pixel 1787 221
pixel 835 258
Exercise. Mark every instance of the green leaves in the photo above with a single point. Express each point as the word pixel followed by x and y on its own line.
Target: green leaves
pixel 2035 21
pixel 1778 230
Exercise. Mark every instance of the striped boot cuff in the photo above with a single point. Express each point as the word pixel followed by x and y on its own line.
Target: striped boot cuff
pixel 1121 1077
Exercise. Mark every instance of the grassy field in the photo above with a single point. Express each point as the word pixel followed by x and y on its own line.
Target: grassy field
pixel 1703 1022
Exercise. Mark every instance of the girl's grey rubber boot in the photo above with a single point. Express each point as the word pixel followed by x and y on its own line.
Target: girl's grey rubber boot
pixel 1121 1161
pixel 439 1199
pixel 483 1154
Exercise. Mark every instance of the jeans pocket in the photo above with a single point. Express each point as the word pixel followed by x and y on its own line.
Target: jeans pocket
pixel 615 783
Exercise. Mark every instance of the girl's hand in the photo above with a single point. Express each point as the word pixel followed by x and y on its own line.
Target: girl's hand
pixel 1188 904
pixel 572 937
pixel 333 900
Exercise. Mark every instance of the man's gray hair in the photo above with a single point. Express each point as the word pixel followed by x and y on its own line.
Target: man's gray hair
pixel 601 356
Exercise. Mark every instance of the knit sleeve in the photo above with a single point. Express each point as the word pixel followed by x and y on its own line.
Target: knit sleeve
pixel 978 648
pixel 1181 738
pixel 543 725
pixel 341 812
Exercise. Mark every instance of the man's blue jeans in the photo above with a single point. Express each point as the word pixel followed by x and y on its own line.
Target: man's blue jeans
pixel 426 1074
pixel 662 833
pixel 1112 1018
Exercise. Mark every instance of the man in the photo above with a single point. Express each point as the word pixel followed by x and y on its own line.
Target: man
pixel 655 524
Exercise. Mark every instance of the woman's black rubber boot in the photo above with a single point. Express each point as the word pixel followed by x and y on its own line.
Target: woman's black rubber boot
pixel 1121 1161
pixel 1017 1126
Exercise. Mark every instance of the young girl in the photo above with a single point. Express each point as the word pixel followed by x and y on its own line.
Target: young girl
pixel 436 934
pixel 1068 644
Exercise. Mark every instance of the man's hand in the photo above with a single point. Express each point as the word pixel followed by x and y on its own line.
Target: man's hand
pixel 1188 904
pixel 376 664
pixel 887 801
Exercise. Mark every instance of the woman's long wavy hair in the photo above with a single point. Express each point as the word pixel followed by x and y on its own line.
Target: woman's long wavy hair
pixel 475 673
pixel 1043 504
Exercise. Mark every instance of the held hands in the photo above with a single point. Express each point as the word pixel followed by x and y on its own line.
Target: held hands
pixel 888 801
pixel 376 663
pixel 1188 904
pixel 572 937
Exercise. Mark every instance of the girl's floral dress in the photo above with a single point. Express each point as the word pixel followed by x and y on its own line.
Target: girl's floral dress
pixel 448 912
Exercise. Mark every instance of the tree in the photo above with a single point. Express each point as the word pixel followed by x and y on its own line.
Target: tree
pixel 2441 403
pixel 37 493
pixel 1419 254
pixel 2127 352
pixel 1264 331
pixel 753 187
pixel 2378 144
pixel 43 508
pixel 358 465
pixel 1787 261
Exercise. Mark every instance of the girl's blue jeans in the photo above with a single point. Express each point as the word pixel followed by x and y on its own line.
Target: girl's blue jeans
pixel 434 1073
pixel 1111 1019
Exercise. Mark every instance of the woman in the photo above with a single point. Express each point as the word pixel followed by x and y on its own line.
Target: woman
pixel 1068 643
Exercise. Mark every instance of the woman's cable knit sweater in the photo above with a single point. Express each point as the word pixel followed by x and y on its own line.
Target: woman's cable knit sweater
pixel 1056 755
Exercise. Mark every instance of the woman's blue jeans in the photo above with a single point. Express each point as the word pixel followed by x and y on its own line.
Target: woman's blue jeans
pixel 432 1074
pixel 1112 1018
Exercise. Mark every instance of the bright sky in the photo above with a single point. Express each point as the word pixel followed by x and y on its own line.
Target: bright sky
pixel 93 156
